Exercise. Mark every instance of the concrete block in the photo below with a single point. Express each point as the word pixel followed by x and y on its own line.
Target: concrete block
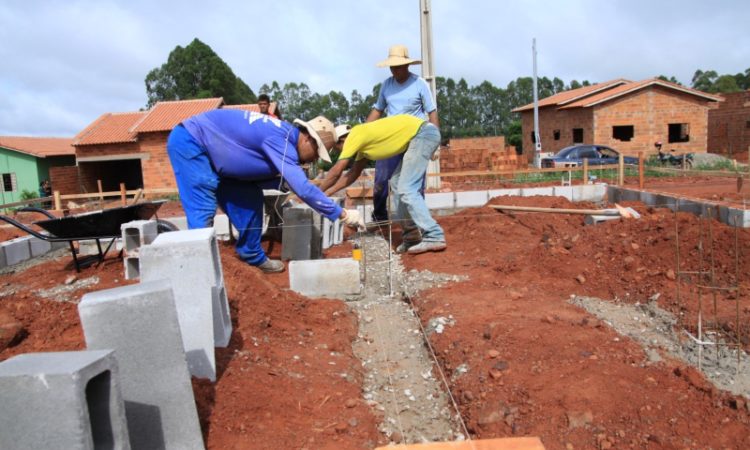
pixel 222 228
pixel 3 262
pixel 132 265
pixel 38 247
pixel 190 260
pixel 470 199
pixel 440 200
pixel 739 218
pixel 531 192
pixel 325 277
pixel 137 233
pixel 691 207
pixel 492 193
pixel 16 250
pixel 588 192
pixel 65 400
pixel 366 211
pixel 140 323
pixel 299 234
pixel 332 233
pixel 563 191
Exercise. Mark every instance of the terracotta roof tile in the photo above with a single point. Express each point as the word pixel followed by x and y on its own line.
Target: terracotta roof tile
pixel 40 147
pixel 574 94
pixel 166 115
pixel 110 128
pixel 632 87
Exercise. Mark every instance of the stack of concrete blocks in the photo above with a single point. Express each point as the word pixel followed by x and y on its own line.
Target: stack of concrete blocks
pixel 139 322
pixel 136 234
pixel 62 400
pixel 338 277
pixel 190 261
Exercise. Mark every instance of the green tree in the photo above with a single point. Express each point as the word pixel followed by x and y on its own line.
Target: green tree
pixel 671 79
pixel 726 84
pixel 704 81
pixel 196 71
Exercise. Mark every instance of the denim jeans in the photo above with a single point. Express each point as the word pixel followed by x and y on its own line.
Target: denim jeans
pixel 409 205
pixel 201 189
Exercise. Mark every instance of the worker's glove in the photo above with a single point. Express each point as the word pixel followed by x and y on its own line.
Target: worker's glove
pixel 353 218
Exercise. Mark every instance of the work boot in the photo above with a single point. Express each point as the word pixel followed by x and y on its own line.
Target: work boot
pixel 271 266
pixel 427 246
pixel 405 246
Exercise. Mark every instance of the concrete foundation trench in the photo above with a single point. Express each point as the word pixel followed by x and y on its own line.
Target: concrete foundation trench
pixel 402 380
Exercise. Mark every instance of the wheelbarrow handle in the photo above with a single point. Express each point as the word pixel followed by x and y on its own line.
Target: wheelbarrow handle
pixel 39 210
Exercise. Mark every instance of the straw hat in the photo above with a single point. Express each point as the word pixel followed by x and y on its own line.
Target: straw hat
pixel 342 130
pixel 324 133
pixel 398 55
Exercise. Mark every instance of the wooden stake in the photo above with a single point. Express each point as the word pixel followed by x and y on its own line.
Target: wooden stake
pixel 585 171
pixel 58 201
pixel 101 193
pixel 123 195
pixel 595 212
pixel 621 170
pixel 641 164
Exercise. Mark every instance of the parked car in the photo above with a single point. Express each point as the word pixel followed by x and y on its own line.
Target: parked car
pixel 596 154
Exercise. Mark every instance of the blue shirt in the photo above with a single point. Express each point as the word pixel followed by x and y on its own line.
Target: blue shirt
pixel 256 147
pixel 411 97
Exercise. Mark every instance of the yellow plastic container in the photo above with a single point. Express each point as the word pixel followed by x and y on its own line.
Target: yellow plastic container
pixel 357 254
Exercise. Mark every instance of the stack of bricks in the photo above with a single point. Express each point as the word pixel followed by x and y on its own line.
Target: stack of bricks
pixel 479 154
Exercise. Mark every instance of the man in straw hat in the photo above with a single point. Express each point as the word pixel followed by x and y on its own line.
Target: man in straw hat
pixel 402 93
pixel 228 156
pixel 415 141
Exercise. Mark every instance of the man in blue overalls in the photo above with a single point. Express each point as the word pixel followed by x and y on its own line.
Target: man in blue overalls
pixel 227 157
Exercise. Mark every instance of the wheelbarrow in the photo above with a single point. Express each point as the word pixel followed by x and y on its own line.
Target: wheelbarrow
pixel 96 225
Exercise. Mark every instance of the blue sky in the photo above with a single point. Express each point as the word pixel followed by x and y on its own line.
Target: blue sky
pixel 66 62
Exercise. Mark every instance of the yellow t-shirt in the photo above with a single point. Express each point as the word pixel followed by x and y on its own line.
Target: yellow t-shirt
pixel 381 138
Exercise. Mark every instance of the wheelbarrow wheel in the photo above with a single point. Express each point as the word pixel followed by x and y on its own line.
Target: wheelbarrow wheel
pixel 165 226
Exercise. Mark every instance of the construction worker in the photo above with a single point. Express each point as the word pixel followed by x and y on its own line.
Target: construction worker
pixel 227 157
pixel 402 93
pixel 416 140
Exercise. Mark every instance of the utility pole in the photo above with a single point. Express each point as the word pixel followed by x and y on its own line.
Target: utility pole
pixel 538 141
pixel 428 73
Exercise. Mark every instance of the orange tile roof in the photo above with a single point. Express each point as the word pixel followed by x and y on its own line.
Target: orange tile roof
pixel 41 147
pixel 564 97
pixel 166 115
pixel 632 87
pixel 110 128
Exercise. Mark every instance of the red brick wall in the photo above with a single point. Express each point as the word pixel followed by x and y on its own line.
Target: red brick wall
pixel 157 170
pixel 729 126
pixel 649 110
pixel 65 179
pixel 550 120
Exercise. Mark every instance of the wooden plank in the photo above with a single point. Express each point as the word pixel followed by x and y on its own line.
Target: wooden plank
pixel 519 443
pixel 594 212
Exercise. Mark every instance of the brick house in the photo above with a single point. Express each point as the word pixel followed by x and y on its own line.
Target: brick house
pixel 628 116
pixel 729 126
pixel 131 147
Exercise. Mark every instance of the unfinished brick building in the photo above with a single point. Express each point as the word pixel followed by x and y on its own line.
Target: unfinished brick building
pixel 729 126
pixel 131 147
pixel 628 116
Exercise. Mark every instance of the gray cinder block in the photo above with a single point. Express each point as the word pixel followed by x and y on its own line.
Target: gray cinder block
pixel 470 199
pixel 38 247
pixel 62 400
pixel 440 200
pixel 190 260
pixel 297 240
pixel 325 277
pixel 16 250
pixel 140 323
pixel 138 233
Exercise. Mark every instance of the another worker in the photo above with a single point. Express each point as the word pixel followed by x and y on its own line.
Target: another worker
pixel 227 157
pixel 264 105
pixel 402 93
pixel 416 140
